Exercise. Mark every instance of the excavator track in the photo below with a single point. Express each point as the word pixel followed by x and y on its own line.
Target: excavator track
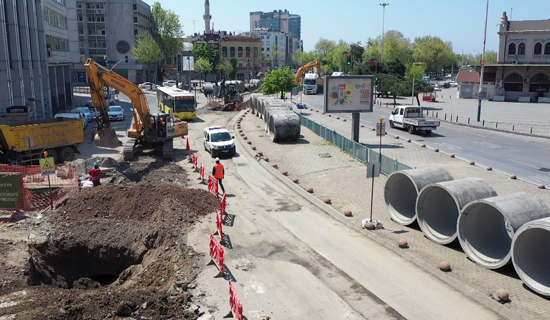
pixel 168 150
pixel 128 152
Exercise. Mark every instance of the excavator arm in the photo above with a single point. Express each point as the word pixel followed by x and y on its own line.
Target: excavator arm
pixel 98 76
pixel 301 70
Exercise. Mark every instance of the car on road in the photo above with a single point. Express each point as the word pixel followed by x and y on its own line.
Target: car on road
pixel 147 86
pixel 169 83
pixel 85 111
pixel 73 115
pixel 218 141
pixel 116 113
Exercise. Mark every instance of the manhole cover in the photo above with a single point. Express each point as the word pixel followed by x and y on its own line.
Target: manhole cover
pixel 544 169
pixel 324 155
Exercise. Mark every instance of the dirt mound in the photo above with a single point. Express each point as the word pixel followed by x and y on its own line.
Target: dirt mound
pixel 147 168
pixel 137 202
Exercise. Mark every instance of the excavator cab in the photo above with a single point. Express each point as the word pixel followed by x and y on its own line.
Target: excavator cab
pixel 157 127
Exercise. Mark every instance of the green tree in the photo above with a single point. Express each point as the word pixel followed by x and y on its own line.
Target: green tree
pixel 146 50
pixel 420 86
pixel 278 81
pixel 206 51
pixel 225 68
pixel 233 61
pixel 491 57
pixel 203 66
pixel 437 53
pixel 167 30
pixel 302 58
pixel 322 49
pixel 337 58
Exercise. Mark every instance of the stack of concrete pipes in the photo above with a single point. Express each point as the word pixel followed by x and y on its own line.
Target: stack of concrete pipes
pixel 280 121
pixel 492 230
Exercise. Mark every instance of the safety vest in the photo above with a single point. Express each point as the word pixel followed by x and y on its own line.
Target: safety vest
pixel 95 174
pixel 219 171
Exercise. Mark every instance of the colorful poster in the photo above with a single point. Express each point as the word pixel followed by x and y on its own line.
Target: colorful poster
pixel 348 94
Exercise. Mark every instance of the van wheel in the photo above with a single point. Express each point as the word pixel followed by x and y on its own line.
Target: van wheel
pixel 66 154
pixel 410 129
pixel 391 124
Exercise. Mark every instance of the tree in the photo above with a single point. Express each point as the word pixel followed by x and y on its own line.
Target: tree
pixel 491 57
pixel 302 58
pixel 167 30
pixel 206 51
pixel 420 86
pixel 278 81
pixel 146 50
pixel 203 66
pixel 233 61
pixel 437 53
pixel 225 68
pixel 322 48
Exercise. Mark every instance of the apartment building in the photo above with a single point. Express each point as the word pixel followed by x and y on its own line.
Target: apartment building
pixel 247 50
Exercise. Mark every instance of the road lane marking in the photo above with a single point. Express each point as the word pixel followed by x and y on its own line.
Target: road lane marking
pixel 488 144
pixel 464 131
pixel 448 146
pixel 523 163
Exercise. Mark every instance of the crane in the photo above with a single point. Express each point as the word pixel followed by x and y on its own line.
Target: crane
pixel 147 129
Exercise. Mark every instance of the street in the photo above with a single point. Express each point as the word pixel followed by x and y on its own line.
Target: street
pixel 526 157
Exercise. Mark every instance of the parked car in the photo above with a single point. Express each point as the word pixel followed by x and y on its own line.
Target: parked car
pixel 169 83
pixel 116 113
pixel 73 115
pixel 147 86
pixel 85 111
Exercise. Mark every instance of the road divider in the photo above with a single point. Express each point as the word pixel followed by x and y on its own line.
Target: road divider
pixel 213 185
pixel 216 253
pixel 235 303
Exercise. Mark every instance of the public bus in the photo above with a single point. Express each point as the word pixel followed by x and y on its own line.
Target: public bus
pixel 179 102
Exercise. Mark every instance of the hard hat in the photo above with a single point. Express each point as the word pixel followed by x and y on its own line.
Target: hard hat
pixel 217 159
pixel 96 165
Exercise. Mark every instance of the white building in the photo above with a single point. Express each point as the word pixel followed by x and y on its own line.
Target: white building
pixel 280 55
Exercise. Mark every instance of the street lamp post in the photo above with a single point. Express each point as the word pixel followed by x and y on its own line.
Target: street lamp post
pixel 384 5
pixel 480 93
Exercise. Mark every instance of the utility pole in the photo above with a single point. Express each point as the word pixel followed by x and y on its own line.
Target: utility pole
pixel 384 5
pixel 480 93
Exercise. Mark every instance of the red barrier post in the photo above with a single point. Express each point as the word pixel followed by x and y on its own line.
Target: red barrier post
pixel 235 302
pixel 219 225
pixel 223 203
pixel 202 172
pixel 216 253
pixel 195 161
pixel 213 185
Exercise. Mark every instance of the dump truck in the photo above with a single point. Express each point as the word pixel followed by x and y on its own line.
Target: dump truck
pixel 59 137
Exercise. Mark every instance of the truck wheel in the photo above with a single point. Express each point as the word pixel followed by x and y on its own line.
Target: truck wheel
pixel 411 129
pixel 391 124
pixel 66 154
pixel 53 154
pixel 428 132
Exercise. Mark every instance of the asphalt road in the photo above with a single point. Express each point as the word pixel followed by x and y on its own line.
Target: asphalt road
pixel 526 157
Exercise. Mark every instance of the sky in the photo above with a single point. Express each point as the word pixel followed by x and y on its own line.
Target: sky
pixel 461 22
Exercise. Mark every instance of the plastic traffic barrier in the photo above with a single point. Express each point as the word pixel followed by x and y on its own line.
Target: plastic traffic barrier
pixel 213 185
pixel 195 160
pixel 216 253
pixel 202 172
pixel 219 225
pixel 235 302
pixel 223 203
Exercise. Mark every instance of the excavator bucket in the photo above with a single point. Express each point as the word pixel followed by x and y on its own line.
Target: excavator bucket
pixel 107 138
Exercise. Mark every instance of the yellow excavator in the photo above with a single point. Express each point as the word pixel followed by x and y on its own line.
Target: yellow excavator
pixel 148 130
pixel 318 79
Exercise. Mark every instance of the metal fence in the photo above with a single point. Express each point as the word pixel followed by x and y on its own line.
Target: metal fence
pixel 355 149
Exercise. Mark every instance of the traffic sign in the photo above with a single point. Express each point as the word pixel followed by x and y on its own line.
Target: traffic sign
pixel 47 166
pixel 381 129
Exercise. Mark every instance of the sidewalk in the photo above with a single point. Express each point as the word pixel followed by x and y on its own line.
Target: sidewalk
pixel 335 175
pixel 525 118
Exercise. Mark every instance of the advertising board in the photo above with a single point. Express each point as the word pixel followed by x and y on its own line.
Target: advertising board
pixel 349 94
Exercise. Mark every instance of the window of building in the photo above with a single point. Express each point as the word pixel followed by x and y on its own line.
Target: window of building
pixel 135 32
pixel 240 52
pixel 224 52
pixel 248 52
pixel 232 51
pixel 135 6
pixel 521 49
pixel 57 44
pixel 538 49
pixel 240 65
pixel 79 17
pixel 79 5
pixel 512 48
pixel 60 1
pixel 80 31
pixel 513 83
pixel 55 19
pixel 135 19
pixel 547 48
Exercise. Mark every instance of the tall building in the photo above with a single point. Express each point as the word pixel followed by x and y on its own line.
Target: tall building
pixel 106 33
pixel 38 47
pixel 279 20
pixel 280 55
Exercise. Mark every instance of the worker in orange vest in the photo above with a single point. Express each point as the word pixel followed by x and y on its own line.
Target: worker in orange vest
pixel 218 172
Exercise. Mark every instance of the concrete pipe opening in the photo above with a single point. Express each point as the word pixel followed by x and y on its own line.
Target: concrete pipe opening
pixel 284 126
pixel 486 227
pixel 402 188
pixel 530 248
pixel 439 205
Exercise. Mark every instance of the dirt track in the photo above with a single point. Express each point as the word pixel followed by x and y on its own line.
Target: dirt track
pixel 109 252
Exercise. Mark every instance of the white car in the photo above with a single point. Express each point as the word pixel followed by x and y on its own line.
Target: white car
pixel 218 141
pixel 85 111
pixel 169 83
pixel 147 86
pixel 73 115
pixel 116 113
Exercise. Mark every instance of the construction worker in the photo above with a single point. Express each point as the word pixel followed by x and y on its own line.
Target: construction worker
pixel 218 172
pixel 95 175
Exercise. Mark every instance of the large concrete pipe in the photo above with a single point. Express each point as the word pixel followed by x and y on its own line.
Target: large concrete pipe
pixel 530 248
pixel 254 99
pixel 402 188
pixel 272 108
pixel 261 105
pixel 284 125
pixel 208 88
pixel 486 226
pixel 439 204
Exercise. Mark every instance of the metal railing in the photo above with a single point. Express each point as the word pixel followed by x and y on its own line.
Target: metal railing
pixel 355 149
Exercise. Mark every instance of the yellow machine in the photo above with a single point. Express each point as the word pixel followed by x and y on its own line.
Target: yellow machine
pixel 147 129
pixel 320 80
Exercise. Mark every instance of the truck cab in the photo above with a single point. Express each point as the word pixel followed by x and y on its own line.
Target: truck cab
pixel 310 83
pixel 411 118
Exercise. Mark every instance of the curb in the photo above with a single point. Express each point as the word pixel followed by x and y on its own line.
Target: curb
pixel 479 297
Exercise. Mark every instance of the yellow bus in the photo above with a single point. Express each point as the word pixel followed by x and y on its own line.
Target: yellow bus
pixel 179 102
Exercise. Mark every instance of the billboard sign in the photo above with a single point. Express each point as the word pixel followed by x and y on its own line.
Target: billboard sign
pixel 349 94
pixel 188 65
pixel 11 191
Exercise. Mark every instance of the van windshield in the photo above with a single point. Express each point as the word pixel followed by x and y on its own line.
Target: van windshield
pixel 221 137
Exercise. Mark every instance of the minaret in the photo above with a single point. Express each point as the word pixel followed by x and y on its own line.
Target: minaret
pixel 207 16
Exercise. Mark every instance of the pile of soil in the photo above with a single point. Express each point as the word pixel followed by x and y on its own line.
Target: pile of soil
pixel 113 251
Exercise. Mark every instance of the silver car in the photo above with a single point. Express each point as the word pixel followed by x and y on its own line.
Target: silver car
pixel 116 113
